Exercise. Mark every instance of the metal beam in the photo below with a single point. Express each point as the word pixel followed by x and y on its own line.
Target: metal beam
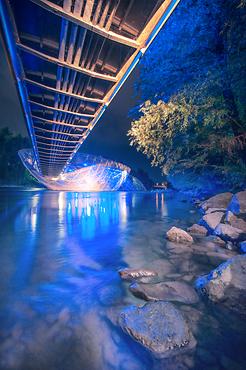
pixel 61 63
pixel 62 92
pixel 57 122
pixel 54 144
pixel 55 132
pixel 72 17
pixel 51 138
pixel 48 107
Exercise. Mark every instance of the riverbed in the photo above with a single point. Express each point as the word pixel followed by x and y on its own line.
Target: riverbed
pixel 61 294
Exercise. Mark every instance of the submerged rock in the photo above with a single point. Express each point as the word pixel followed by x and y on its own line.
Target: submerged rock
pixel 197 229
pixel 159 327
pixel 211 220
pixel 226 284
pixel 179 236
pixel 229 233
pixel 238 203
pixel 217 240
pixel 165 291
pixel 132 274
pixel 217 201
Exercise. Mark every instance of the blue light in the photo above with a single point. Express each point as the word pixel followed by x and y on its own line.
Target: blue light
pixel 18 74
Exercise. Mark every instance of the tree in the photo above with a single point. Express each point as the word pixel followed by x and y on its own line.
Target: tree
pixel 11 169
pixel 192 80
pixel 193 129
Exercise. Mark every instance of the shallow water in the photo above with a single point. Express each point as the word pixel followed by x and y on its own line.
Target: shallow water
pixel 61 294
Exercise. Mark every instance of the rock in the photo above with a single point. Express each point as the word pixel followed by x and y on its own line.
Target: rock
pixel 229 233
pixel 165 291
pixel 197 229
pixel 179 236
pixel 226 284
pixel 230 246
pixel 161 266
pixel 238 203
pixel 212 210
pixel 132 274
pixel 217 240
pixel 211 220
pixel 236 221
pixel 158 326
pixel 242 246
pixel 218 201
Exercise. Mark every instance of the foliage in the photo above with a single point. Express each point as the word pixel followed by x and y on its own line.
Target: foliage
pixel 192 130
pixel 11 169
pixel 192 80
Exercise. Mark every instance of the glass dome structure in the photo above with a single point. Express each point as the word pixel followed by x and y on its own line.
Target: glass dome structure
pixel 85 173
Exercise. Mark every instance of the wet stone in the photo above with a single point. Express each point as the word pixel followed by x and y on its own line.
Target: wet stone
pixel 159 327
pixel 169 291
pixel 178 235
pixel 217 201
pixel 197 229
pixel 226 284
pixel 139 274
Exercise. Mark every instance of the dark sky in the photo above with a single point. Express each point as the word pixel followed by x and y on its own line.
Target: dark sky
pixel 108 138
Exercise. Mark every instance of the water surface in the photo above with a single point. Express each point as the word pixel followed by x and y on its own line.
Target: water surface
pixel 61 294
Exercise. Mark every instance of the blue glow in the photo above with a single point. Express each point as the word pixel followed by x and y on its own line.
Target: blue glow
pixel 86 173
pixel 18 73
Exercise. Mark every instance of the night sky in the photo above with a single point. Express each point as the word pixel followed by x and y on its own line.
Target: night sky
pixel 108 138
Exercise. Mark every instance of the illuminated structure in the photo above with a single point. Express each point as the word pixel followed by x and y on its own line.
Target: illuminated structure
pixel 85 173
pixel 69 59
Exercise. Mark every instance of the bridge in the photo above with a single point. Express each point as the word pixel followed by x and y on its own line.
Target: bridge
pixel 69 59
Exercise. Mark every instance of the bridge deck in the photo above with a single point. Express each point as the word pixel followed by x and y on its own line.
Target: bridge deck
pixel 70 57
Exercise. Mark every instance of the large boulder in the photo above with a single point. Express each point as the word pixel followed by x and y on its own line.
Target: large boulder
pixel 211 220
pixel 217 201
pixel 165 291
pixel 229 233
pixel 139 274
pixel 159 327
pixel 238 203
pixel 197 229
pixel 226 284
pixel 179 236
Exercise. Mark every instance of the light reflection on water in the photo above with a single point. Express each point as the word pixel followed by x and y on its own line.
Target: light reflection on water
pixel 60 290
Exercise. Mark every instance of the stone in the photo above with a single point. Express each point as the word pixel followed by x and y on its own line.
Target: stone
pixel 159 327
pixel 211 220
pixel 165 291
pixel 226 284
pixel 236 221
pixel 212 210
pixel 217 201
pixel 238 203
pixel 179 236
pixel 217 240
pixel 132 274
pixel 242 246
pixel 229 233
pixel 197 229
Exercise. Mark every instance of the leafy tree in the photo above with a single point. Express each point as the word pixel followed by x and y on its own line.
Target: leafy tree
pixel 193 129
pixel 193 83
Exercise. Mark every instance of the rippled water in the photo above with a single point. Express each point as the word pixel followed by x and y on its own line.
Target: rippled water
pixel 61 293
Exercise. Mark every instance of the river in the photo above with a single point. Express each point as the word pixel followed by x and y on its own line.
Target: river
pixel 60 292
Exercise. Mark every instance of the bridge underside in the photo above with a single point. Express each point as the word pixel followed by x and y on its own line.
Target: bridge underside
pixel 69 59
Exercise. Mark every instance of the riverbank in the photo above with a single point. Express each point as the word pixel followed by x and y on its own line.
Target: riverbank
pixel 159 325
